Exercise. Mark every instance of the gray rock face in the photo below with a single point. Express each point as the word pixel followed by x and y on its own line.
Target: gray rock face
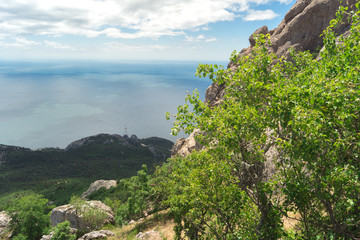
pixel 184 146
pixel 4 225
pixel 263 30
pixel 303 25
pixel 95 186
pixel 102 234
pixel 150 235
pixel 69 213
pixel 301 29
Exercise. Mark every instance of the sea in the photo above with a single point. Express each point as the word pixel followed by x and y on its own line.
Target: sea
pixel 52 103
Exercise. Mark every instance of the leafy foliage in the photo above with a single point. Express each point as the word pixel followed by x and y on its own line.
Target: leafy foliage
pixel 130 198
pixel 62 231
pixel 304 113
pixel 30 219
pixel 93 218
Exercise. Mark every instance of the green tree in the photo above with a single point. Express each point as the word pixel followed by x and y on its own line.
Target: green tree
pixel 30 219
pixel 137 201
pixel 306 113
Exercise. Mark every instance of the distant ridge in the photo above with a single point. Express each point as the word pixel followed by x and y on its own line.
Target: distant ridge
pixel 59 173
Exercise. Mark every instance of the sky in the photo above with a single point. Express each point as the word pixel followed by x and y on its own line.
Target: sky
pixel 133 29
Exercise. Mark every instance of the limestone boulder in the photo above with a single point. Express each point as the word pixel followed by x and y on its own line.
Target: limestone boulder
pixel 76 218
pixel 4 225
pixel 102 234
pixel 150 235
pixel 95 186
pixel 185 146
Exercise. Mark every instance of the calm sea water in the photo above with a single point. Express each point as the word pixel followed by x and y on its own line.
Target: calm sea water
pixel 50 104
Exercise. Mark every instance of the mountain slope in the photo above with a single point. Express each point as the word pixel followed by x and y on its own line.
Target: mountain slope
pixel 60 173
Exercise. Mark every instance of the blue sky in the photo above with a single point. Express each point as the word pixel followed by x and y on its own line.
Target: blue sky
pixel 133 29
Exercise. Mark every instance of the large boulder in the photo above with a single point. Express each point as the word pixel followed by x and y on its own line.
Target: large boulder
pixel 102 234
pixel 4 225
pixel 95 186
pixel 76 217
pixel 150 235
pixel 184 146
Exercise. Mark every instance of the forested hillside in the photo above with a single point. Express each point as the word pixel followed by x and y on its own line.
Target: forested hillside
pixel 60 173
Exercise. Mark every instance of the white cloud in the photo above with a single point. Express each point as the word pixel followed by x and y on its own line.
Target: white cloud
pixel 56 45
pixel 254 15
pixel 127 19
pixel 20 42
pixel 199 38
pixel 133 48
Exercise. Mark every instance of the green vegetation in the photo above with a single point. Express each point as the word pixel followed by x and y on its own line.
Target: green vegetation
pixel 130 198
pixel 93 217
pixel 304 113
pixel 63 232
pixel 30 219
pixel 301 115
pixel 58 174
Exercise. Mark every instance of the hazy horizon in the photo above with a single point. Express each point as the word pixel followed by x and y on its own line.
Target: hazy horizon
pixel 51 104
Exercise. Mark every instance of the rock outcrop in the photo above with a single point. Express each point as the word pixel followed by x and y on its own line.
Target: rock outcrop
pixel 300 29
pixel 4 226
pixel 76 219
pixel 150 235
pixel 184 146
pixel 95 186
pixel 102 234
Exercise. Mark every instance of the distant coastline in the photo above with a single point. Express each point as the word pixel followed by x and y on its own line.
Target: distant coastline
pixel 50 103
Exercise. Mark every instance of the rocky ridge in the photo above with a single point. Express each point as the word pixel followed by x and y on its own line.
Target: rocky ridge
pixel 4 222
pixel 105 139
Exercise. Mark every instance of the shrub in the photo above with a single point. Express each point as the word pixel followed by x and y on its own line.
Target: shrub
pixel 62 231
pixel 30 219
pixel 93 218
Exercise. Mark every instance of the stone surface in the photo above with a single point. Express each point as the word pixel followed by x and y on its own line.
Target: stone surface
pixel 4 223
pixel 150 235
pixel 304 23
pixel 102 234
pixel 69 213
pixel 263 30
pixel 47 237
pixel 184 146
pixel 95 186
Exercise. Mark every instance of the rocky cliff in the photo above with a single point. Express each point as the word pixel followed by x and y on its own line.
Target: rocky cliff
pixel 300 29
